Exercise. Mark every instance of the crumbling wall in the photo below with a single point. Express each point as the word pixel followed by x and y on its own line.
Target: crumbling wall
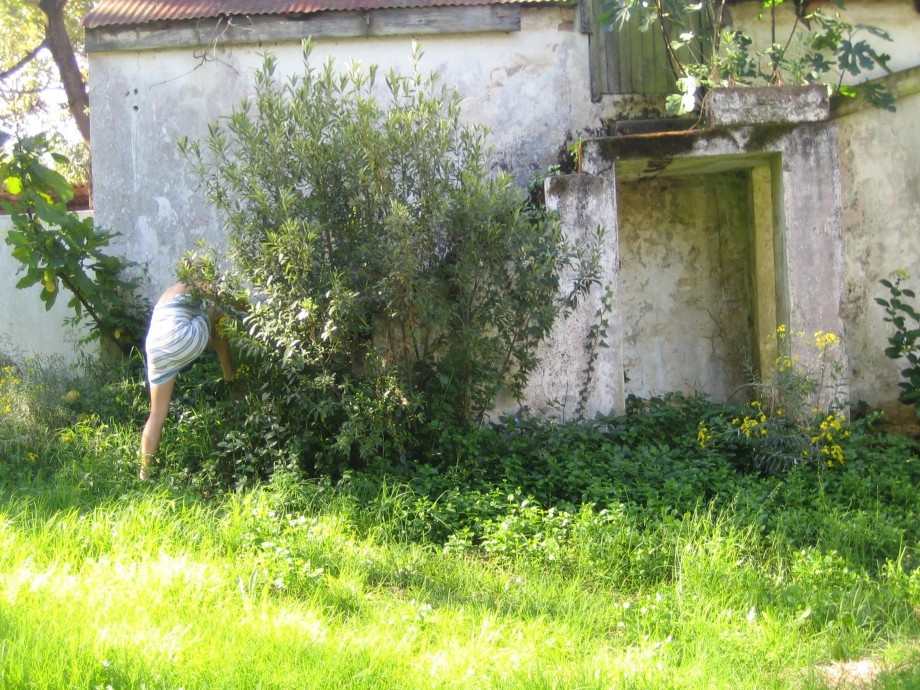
pixel 880 175
pixel 686 284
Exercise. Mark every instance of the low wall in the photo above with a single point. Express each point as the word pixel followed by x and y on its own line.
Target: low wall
pixel 26 329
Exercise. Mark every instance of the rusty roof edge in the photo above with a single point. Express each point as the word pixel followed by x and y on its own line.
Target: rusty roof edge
pixel 265 29
pixel 121 14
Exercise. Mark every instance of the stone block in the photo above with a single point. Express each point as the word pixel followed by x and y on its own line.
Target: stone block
pixel 744 106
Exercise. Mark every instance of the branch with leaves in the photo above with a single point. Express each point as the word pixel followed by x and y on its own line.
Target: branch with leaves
pixel 58 249
pixel 705 52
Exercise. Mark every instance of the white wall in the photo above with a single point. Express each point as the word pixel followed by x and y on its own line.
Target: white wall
pixel 530 87
pixel 897 17
pixel 880 176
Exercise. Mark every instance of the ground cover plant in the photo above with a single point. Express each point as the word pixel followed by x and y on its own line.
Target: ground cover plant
pixel 615 553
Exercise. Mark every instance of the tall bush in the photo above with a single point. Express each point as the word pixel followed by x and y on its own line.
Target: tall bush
pixel 399 285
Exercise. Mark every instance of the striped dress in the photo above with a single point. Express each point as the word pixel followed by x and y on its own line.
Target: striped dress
pixel 179 332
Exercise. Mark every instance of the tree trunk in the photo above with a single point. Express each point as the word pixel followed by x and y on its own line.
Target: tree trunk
pixel 62 53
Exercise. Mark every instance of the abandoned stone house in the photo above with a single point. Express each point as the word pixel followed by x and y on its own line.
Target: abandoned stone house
pixel 780 206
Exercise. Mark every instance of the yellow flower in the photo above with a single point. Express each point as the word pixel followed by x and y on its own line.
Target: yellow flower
pixel 8 409
pixel 826 340
pixel 703 436
pixel 31 457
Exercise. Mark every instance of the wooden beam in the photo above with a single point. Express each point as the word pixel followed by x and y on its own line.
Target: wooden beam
pixel 899 84
pixel 272 28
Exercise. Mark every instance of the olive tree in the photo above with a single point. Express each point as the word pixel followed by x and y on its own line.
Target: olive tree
pixel 397 285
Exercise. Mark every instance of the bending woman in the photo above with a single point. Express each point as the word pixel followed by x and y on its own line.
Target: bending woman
pixel 180 329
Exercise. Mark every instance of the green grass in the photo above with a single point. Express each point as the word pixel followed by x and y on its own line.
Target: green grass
pixel 745 581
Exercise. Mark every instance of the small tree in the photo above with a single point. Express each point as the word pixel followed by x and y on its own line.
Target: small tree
pixel 399 285
pixel 59 249
pixel 704 51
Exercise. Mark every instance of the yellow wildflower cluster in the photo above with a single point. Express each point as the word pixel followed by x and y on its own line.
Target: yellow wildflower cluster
pixel 8 379
pixel 704 435
pixel 826 341
pixel 752 425
pixel 830 431
pixel 784 363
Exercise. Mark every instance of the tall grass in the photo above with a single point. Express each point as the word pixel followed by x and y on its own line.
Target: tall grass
pixel 758 582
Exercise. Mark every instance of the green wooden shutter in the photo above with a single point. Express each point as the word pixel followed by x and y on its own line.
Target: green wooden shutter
pixel 626 60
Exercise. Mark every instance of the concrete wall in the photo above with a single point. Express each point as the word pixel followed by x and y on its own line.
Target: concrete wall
pixel 897 17
pixel 695 299
pixel 724 233
pixel 880 173
pixel 581 369
pixel 530 87
pixel 686 285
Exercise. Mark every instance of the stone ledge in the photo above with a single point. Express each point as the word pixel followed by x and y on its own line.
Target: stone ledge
pixel 747 105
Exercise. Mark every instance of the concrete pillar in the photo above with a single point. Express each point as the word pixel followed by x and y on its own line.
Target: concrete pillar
pixel 581 373
pixel 764 265
pixel 813 251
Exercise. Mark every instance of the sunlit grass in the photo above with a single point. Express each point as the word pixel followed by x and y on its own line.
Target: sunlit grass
pixel 150 590
pixel 106 582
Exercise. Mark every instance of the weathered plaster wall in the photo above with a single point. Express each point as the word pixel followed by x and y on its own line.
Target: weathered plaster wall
pixel 777 237
pixel 880 174
pixel 879 155
pixel 685 284
pixel 679 330
pixel 897 17
pixel 530 87
pixel 578 375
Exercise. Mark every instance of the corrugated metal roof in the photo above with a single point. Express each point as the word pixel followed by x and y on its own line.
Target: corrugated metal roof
pixel 134 12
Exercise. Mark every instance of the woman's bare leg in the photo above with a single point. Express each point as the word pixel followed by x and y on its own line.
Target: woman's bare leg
pixel 160 397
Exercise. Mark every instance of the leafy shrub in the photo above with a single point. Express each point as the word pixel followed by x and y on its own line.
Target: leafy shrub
pixel 903 343
pixel 396 281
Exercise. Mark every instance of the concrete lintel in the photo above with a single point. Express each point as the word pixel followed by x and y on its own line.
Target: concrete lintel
pixel 692 152
pixel 738 107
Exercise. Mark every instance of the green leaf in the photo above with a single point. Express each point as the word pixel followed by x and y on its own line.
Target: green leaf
pixel 51 214
pixel 848 91
pixel 13 185
pixel 52 181
pixel 15 238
